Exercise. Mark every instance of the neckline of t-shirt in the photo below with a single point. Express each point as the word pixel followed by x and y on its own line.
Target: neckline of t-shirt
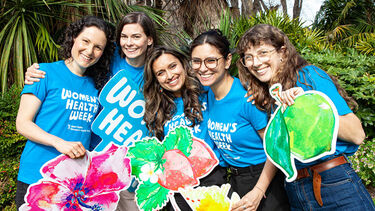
pixel 224 99
pixel 74 75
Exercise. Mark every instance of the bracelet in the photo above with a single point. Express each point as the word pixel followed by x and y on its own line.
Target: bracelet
pixel 264 193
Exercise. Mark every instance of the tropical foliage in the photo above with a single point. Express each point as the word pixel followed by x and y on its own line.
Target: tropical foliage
pixel 348 23
pixel 30 30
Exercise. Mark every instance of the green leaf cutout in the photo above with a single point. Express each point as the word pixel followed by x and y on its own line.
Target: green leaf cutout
pixel 173 140
pixel 306 130
pixel 311 125
pixel 277 144
pixel 151 196
pixel 146 151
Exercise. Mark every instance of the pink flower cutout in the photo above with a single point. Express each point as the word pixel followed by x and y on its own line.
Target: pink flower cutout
pixel 89 183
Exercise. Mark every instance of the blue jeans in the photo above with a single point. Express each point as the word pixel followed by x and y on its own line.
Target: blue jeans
pixel 341 189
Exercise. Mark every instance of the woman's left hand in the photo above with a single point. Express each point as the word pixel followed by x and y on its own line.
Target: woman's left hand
pixel 250 201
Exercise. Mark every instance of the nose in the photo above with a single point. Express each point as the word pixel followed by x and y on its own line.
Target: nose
pixel 90 49
pixel 129 41
pixel 256 61
pixel 169 74
pixel 203 67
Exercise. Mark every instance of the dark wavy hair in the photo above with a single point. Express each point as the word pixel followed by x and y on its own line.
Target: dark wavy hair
pixel 100 70
pixel 144 21
pixel 160 106
pixel 288 73
pixel 215 38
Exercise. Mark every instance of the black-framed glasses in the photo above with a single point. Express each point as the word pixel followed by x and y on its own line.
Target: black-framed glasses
pixel 210 62
pixel 262 56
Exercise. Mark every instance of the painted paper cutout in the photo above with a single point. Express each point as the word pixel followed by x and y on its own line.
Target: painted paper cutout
pixel 178 162
pixel 212 198
pixel 306 130
pixel 121 120
pixel 89 183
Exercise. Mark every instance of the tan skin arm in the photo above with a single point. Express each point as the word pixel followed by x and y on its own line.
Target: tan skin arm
pixel 29 106
pixel 252 199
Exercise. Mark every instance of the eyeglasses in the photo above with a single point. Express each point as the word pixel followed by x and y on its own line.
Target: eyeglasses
pixel 263 55
pixel 210 62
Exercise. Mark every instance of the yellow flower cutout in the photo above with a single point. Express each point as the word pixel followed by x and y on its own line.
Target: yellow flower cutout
pixel 211 198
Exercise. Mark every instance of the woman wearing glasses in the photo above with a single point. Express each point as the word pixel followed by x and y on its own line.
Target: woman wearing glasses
pixel 173 92
pixel 236 127
pixel 268 57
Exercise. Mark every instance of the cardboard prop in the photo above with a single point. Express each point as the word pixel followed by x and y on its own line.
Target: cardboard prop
pixel 89 183
pixel 306 130
pixel 121 120
pixel 212 198
pixel 163 168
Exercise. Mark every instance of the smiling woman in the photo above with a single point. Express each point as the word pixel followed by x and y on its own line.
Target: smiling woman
pixel 45 116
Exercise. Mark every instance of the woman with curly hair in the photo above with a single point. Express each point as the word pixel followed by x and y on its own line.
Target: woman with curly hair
pixel 56 113
pixel 174 97
pixel 330 183
pixel 236 127
pixel 135 38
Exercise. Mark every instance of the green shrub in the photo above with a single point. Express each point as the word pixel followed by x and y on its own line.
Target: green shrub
pixel 10 148
pixel 364 162
pixel 356 74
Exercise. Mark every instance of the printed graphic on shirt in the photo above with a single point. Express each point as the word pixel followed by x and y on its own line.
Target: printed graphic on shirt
pixel 179 119
pixel 221 133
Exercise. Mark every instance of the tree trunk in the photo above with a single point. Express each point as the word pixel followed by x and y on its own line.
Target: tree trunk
pixel 235 9
pixel 297 8
pixel 285 7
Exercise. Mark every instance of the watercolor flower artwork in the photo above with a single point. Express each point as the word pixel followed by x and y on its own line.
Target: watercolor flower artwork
pixel 179 161
pixel 212 198
pixel 306 130
pixel 89 183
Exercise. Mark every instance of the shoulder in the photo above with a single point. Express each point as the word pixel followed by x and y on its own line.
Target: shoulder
pixel 52 68
pixel 313 72
pixel 237 87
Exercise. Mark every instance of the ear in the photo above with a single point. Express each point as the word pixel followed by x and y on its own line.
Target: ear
pixel 228 61
pixel 150 41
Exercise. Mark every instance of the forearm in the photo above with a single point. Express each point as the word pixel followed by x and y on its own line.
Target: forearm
pixel 350 129
pixel 34 133
pixel 268 173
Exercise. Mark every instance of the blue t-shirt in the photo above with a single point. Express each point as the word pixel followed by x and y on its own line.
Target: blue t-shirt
pixel 199 130
pixel 135 73
pixel 69 105
pixel 320 81
pixel 233 124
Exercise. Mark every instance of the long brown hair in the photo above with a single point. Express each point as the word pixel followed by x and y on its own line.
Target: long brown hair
pixel 288 73
pixel 160 106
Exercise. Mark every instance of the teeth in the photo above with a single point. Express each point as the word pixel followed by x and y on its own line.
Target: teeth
pixel 206 76
pixel 261 71
pixel 85 57
pixel 174 81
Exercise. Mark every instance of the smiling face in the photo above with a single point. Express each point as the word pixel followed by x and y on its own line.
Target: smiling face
pixel 134 42
pixel 266 61
pixel 87 49
pixel 170 73
pixel 210 76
